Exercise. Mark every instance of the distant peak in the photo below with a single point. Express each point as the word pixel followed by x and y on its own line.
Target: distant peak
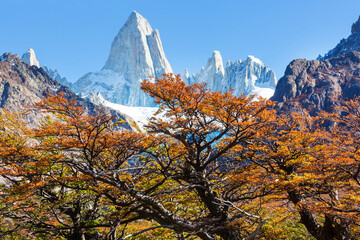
pixel 216 52
pixel 30 58
pixel 186 74
pixel 254 59
pixel 217 56
pixel 216 61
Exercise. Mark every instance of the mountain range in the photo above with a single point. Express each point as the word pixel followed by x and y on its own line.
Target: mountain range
pixel 136 54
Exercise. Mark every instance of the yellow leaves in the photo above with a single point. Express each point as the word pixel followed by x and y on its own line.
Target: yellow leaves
pixel 213 155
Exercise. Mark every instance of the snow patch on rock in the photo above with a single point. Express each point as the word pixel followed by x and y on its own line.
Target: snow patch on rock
pixel 139 114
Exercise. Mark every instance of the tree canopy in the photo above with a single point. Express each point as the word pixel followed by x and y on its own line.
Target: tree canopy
pixel 209 165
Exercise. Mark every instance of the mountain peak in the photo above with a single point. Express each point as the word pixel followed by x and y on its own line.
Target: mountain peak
pixel 135 15
pixel 356 26
pixel 135 20
pixel 251 58
pixel 352 43
pixel 136 54
pixel 30 58
pixel 217 62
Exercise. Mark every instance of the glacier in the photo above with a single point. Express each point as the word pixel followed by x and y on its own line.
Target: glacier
pixel 140 115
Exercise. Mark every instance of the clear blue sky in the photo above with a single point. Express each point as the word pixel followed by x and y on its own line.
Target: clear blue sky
pixel 74 36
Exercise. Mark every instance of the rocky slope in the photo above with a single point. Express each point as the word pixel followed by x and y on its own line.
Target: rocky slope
pixel 30 58
pixel 319 85
pixel 352 43
pixel 22 84
pixel 250 76
pixel 136 54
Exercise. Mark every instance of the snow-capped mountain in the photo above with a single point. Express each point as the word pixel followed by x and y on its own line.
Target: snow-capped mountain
pixel 136 54
pixel 30 58
pixel 250 76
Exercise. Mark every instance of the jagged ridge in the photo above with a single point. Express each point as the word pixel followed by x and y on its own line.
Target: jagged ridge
pixel 250 76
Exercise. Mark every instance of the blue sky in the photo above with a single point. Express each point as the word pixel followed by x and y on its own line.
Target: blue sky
pixel 74 36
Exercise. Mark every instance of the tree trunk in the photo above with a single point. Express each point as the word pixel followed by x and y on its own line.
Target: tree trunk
pixel 335 228
pixel 231 234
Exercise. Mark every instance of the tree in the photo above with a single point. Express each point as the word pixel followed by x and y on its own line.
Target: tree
pixel 174 176
pixel 210 165
pixel 308 164
pixel 45 197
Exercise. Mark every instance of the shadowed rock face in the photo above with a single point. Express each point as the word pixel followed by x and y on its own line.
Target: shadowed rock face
pixel 22 85
pixel 319 85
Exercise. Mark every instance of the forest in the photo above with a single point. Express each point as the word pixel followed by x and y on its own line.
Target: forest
pixel 208 165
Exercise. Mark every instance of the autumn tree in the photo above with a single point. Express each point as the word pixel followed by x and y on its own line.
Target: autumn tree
pixel 208 165
pixel 44 196
pixel 209 132
pixel 314 170
pixel 175 175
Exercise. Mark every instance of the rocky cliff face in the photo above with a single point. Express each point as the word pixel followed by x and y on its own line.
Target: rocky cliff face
pixel 136 54
pixel 319 85
pixel 22 84
pixel 250 76
pixel 352 43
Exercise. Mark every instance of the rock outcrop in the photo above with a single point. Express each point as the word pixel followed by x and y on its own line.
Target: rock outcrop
pixel 319 85
pixel 136 54
pixel 22 85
